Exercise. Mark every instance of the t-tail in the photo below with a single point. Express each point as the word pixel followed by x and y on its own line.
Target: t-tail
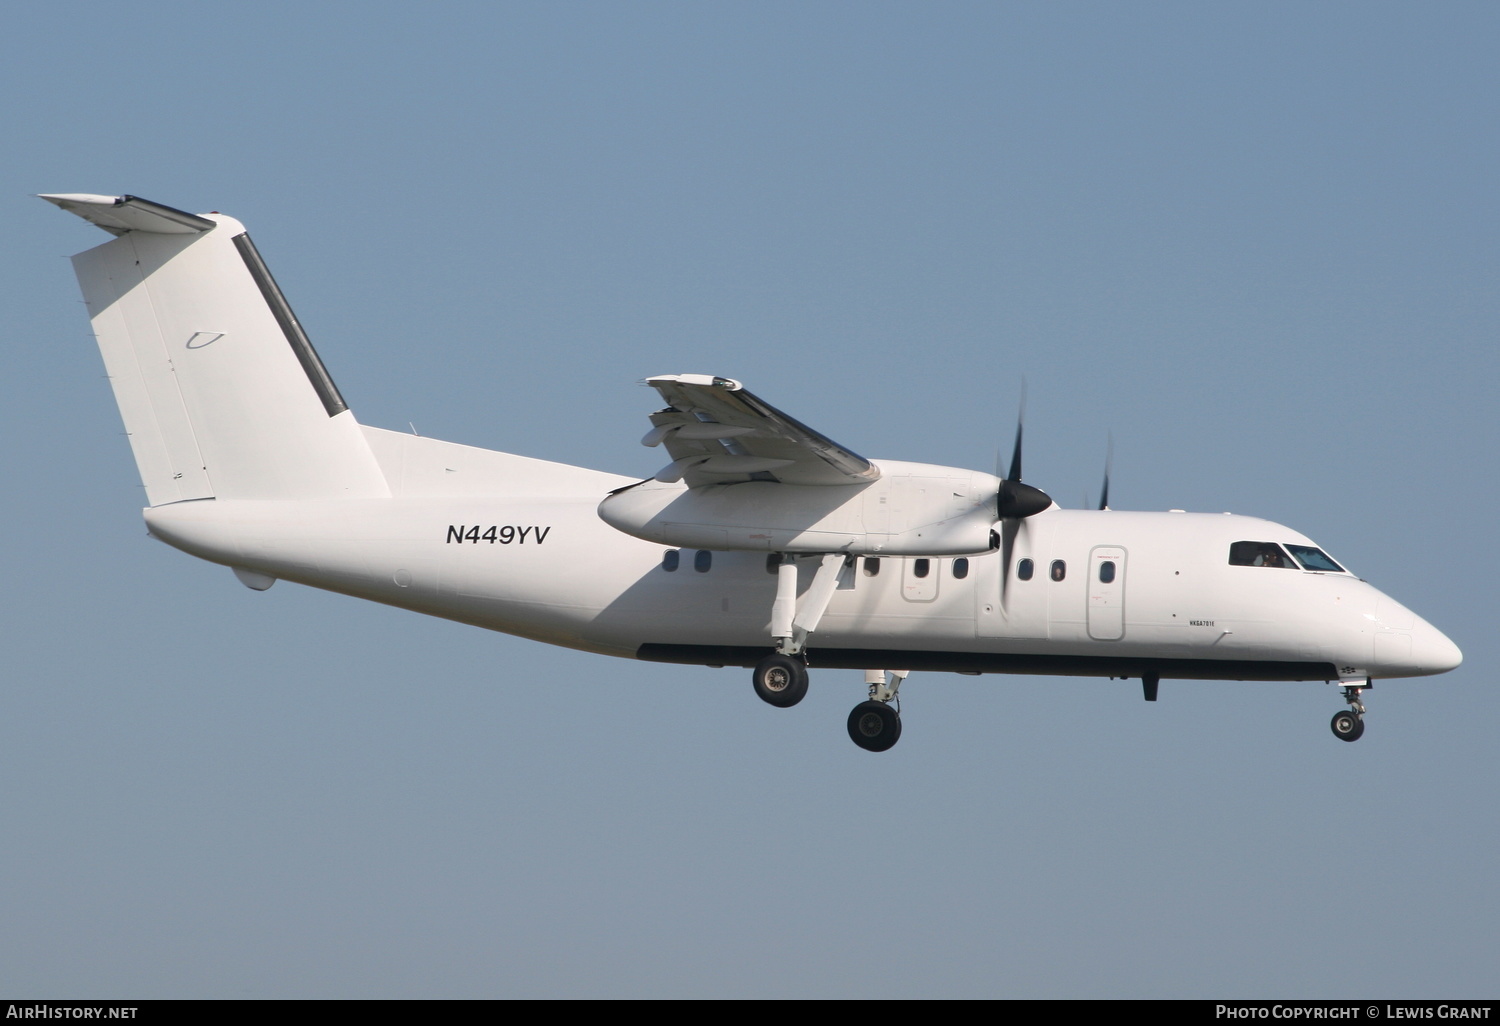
pixel 221 392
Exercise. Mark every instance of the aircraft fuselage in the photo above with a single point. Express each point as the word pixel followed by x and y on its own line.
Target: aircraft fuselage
pixel 548 568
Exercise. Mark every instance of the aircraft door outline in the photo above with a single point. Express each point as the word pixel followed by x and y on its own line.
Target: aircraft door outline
pixel 1106 593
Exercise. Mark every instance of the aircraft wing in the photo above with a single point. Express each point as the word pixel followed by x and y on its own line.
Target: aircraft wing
pixel 718 433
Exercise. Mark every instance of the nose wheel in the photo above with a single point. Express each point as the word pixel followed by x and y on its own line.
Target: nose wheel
pixel 1349 724
pixel 874 726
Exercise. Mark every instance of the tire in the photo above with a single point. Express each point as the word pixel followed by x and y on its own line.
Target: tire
pixel 874 726
pixel 1347 725
pixel 780 680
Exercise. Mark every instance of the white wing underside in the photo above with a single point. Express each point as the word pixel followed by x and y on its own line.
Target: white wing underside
pixel 718 433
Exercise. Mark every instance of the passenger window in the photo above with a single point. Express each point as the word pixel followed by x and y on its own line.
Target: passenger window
pixel 1252 553
pixel 702 560
pixel 872 566
pixel 670 559
pixel 960 568
pixel 1107 572
pixel 1024 569
pixel 921 567
pixel 1059 569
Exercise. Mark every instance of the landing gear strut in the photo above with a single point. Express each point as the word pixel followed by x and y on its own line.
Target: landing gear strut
pixel 1349 724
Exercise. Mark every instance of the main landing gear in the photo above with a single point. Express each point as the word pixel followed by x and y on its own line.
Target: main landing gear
pixel 780 679
pixel 1349 724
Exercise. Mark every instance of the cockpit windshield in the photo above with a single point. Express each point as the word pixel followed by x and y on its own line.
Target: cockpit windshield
pixel 1253 553
pixel 1314 559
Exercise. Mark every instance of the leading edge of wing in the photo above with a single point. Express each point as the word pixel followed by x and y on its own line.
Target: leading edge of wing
pixel 718 432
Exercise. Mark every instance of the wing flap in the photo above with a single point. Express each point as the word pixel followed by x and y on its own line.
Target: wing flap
pixel 717 432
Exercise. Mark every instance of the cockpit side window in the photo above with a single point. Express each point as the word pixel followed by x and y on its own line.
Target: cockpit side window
pixel 1253 553
pixel 1315 559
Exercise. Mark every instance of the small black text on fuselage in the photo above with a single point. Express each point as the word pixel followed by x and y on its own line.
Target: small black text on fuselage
pixel 502 534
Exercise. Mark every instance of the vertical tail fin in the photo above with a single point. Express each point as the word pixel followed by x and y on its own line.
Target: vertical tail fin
pixel 221 392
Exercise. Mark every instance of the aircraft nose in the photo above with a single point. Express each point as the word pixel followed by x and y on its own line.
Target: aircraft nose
pixel 1432 651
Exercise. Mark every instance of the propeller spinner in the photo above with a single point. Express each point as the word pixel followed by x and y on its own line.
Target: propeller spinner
pixel 1017 499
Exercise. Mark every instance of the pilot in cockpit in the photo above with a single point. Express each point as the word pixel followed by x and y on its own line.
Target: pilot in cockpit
pixel 1271 555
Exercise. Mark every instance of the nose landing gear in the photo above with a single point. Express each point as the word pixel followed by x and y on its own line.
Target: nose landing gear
pixel 875 725
pixel 1349 724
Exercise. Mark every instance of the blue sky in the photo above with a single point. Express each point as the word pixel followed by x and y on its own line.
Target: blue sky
pixel 1255 242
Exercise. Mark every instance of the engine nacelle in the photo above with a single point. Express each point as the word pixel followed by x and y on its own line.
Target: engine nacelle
pixel 912 509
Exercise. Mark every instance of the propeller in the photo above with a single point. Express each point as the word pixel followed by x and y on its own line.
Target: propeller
pixel 1015 502
pixel 1109 461
pixel 1017 499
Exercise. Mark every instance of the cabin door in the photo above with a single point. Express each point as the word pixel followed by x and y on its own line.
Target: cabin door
pixel 1106 593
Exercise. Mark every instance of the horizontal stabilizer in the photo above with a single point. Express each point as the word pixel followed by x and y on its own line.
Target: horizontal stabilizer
pixel 120 214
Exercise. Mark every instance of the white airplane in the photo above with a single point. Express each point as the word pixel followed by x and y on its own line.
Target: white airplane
pixel 761 543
